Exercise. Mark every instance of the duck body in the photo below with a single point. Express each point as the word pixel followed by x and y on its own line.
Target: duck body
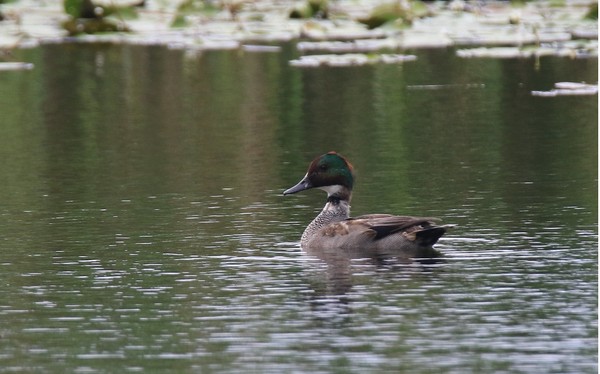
pixel 371 235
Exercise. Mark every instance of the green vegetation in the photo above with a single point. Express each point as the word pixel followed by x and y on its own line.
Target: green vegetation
pixel 400 13
pixel 593 12
pixel 558 3
pixel 312 9
pixel 191 7
pixel 90 18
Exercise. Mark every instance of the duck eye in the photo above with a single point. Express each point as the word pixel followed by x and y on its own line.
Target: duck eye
pixel 323 167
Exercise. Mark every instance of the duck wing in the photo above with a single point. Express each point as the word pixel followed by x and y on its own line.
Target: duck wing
pixel 422 230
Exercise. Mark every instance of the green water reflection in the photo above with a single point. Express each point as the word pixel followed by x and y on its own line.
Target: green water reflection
pixel 143 228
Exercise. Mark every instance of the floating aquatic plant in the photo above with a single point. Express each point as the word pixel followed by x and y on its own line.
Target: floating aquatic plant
pixel 572 50
pixel 350 59
pixel 89 17
pixel 569 89
pixel 401 12
pixel 434 24
pixel 312 9
pixel 192 7
pixel 94 10
pixel 592 12
pixel 5 66
pixel 359 45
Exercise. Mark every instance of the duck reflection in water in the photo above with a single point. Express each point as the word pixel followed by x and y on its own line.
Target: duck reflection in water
pixel 331 302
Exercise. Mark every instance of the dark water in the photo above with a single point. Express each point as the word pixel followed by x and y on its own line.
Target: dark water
pixel 142 226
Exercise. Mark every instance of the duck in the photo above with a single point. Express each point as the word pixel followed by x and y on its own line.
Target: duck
pixel 333 229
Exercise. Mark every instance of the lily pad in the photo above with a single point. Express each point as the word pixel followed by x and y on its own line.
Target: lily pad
pixel 557 50
pixel 5 66
pixel 569 89
pixel 350 59
pixel 499 52
pixel 361 45
pixel 260 48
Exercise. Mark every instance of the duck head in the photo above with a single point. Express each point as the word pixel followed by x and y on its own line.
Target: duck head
pixel 331 173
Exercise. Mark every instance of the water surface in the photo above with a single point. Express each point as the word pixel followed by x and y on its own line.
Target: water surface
pixel 143 228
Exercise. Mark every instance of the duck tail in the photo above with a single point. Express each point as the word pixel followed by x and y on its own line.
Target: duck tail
pixel 430 235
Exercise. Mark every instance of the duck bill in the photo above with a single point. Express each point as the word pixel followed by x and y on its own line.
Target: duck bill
pixel 304 184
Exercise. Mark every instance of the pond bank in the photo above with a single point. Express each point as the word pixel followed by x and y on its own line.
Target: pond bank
pixel 29 23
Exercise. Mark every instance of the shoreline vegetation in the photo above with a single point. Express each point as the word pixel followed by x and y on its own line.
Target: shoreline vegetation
pixel 323 25
pixel 324 32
